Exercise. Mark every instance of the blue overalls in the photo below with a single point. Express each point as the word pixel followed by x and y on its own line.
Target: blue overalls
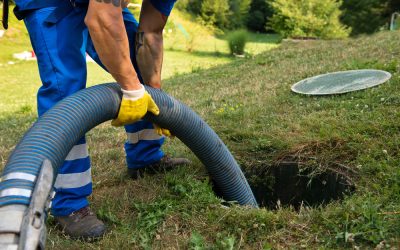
pixel 61 40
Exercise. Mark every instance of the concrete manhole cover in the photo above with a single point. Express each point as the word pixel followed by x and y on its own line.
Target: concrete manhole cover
pixel 341 82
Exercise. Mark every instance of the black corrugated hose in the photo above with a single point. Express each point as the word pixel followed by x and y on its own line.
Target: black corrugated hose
pixel 59 129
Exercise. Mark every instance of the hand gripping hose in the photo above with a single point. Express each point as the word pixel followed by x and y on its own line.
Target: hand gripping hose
pixel 59 129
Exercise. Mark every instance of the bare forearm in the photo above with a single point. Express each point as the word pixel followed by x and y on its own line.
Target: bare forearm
pixel 149 44
pixel 149 55
pixel 107 30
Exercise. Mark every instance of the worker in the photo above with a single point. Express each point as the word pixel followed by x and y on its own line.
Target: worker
pixel 61 33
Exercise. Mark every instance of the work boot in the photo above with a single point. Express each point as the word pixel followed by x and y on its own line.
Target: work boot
pixel 166 163
pixel 82 224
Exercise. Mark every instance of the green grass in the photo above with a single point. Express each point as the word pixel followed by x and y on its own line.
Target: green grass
pixel 202 40
pixel 15 40
pixel 204 45
pixel 248 103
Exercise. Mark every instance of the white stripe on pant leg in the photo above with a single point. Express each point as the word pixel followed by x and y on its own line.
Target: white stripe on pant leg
pixel 75 180
pixel 78 152
pixel 143 135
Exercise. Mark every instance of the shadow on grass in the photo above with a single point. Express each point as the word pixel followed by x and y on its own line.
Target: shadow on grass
pixel 251 38
pixel 203 53
pixel 258 38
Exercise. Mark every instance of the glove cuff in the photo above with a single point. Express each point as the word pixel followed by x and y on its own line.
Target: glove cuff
pixel 133 95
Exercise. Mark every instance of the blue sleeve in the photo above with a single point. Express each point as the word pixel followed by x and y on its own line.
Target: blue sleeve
pixel 164 6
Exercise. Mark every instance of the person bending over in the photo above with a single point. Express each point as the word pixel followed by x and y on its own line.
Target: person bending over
pixel 61 33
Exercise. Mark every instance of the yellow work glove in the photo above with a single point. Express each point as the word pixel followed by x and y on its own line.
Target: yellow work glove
pixel 134 105
pixel 162 131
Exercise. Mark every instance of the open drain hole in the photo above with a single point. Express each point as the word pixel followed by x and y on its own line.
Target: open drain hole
pixel 287 184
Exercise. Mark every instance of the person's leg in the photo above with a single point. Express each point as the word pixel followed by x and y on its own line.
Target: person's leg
pixel 143 146
pixel 60 51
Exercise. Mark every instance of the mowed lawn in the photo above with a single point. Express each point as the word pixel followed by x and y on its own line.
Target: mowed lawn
pixel 248 102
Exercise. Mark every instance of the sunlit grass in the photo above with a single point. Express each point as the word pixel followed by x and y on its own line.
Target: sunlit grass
pixel 208 53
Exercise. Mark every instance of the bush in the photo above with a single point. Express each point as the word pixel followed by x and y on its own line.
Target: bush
pixel 308 19
pixel 237 41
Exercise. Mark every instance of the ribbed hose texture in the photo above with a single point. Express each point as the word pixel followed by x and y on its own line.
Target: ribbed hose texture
pixel 59 129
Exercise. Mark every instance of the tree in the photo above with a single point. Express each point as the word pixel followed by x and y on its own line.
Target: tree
pixel 260 12
pixel 192 6
pixel 364 16
pixel 368 16
pixel 393 6
pixel 215 12
pixel 308 18
pixel 224 14
pixel 239 13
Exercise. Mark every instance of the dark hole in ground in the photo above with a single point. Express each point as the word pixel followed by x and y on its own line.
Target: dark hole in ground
pixel 290 185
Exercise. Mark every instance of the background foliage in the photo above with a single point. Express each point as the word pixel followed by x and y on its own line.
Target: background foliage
pixel 260 12
pixel 368 16
pixel 362 16
pixel 224 14
pixel 308 18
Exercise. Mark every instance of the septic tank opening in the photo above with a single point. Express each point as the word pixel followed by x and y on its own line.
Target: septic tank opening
pixel 288 184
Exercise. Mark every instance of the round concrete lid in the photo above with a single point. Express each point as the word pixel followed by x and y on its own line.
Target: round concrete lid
pixel 341 82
